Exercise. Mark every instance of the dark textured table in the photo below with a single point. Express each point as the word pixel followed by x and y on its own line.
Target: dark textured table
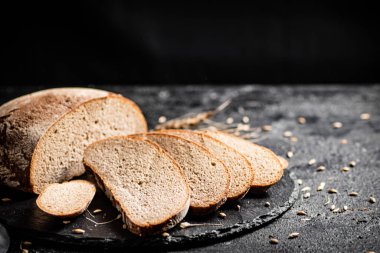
pixel 322 230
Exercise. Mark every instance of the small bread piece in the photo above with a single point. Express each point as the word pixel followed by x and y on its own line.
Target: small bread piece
pixel 266 166
pixel 68 199
pixel 144 183
pixel 240 169
pixel 207 176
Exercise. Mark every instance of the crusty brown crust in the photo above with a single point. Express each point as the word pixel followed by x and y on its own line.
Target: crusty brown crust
pixel 241 194
pixel 74 213
pixel 199 210
pixel 25 120
pixel 140 229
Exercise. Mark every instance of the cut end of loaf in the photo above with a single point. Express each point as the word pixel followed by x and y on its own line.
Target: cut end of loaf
pixel 68 199
pixel 59 153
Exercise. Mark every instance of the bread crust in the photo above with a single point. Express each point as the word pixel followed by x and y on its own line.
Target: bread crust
pixel 200 210
pixel 24 121
pixel 134 227
pixel 74 213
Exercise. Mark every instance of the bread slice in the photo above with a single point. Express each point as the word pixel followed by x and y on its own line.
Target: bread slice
pixel 68 199
pixel 207 176
pixel 43 134
pixel 144 183
pixel 241 173
pixel 266 166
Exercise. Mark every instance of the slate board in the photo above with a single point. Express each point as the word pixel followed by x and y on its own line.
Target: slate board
pixel 22 215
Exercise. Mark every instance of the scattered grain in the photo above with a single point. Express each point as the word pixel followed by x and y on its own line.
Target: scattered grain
pixel 124 226
pixel 307 188
pixel 332 207
pixel 352 164
pixel 321 186
pixel 27 243
pixel 293 139
pixel 229 120
pixel 299 181
pixel 66 222
pixel 336 210
pixel 238 207
pixel 97 211
pixel 337 125
pixel 303 213
pixel 293 235
pixel 273 241
pixel 321 168
pixel 312 161
pixel 345 208
pixel 289 154
pixel 267 204
pixel 266 128
pixel 301 120
pixel 24 251
pixel 343 141
pixel 332 190
pixel 365 116
pixel 222 215
pixel 6 200
pixel 306 195
pixel 78 231
pixel 345 169
pixel 245 119
pixel 353 194
pixel 165 234
pixel 162 119
pixel 372 200
pixel 287 134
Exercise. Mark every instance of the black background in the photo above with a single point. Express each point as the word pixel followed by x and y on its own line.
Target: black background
pixel 177 42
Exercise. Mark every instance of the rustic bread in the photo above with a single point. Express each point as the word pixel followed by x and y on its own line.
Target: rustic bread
pixel 266 166
pixel 43 134
pixel 68 199
pixel 144 183
pixel 208 177
pixel 241 173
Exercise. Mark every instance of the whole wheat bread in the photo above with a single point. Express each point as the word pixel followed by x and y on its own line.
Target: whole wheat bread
pixel 266 166
pixel 144 183
pixel 241 173
pixel 43 134
pixel 68 199
pixel 207 176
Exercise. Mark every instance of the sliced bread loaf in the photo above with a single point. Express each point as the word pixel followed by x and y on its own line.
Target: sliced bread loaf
pixel 266 166
pixel 43 134
pixel 207 176
pixel 68 199
pixel 241 173
pixel 144 183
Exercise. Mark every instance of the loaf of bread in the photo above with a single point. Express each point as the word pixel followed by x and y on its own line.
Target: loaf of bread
pixel 43 134
pixel 68 199
pixel 144 183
